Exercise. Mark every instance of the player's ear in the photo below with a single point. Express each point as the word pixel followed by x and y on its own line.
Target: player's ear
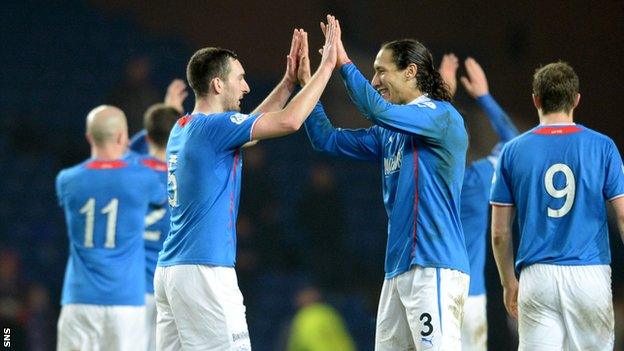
pixel 217 84
pixel 410 71
pixel 577 99
pixel 537 102
pixel 89 139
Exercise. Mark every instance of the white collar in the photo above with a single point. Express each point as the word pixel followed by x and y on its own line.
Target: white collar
pixel 557 124
pixel 422 98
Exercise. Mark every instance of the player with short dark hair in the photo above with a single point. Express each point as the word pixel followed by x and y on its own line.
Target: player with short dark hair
pixel 105 199
pixel 558 176
pixel 158 121
pixel 420 143
pixel 200 306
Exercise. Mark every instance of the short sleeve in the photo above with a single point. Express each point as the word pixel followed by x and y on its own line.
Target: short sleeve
pixel 501 192
pixel 614 175
pixel 59 188
pixel 230 130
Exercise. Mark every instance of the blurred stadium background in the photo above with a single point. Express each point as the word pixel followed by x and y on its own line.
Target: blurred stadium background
pixel 305 218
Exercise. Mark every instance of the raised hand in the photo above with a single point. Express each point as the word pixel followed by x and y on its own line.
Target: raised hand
pixel 448 71
pixel 303 67
pixel 476 83
pixel 342 56
pixel 331 42
pixel 176 94
pixel 292 58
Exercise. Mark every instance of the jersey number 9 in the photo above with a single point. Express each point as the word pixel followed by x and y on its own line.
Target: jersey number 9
pixel 568 191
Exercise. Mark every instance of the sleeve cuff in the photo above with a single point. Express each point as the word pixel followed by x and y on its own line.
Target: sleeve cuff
pixel 253 125
pixel 501 204
pixel 616 197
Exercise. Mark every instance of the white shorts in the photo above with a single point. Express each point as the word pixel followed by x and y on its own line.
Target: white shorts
pixel 565 307
pixel 150 322
pixel 99 328
pixel 474 328
pixel 199 308
pixel 422 309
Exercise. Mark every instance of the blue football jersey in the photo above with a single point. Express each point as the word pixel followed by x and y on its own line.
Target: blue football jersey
pixel 558 178
pixel 421 149
pixel 474 217
pixel 476 193
pixel 156 226
pixel 105 203
pixel 157 219
pixel 204 182
pixel 138 142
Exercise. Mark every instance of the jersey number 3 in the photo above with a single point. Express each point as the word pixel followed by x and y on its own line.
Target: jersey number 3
pixel 111 223
pixel 568 191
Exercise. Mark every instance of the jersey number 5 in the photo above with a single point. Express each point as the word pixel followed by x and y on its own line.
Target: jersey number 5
pixel 111 223
pixel 568 191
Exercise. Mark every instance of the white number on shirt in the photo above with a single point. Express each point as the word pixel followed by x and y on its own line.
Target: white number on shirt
pixel 568 191
pixel 111 223
pixel 173 190
pixel 151 218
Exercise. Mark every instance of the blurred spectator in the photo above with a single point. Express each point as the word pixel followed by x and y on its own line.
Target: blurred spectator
pixel 135 93
pixel 321 218
pixel 317 326
pixel 11 304
pixel 40 326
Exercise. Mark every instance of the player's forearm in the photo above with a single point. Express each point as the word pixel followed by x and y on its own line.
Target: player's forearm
pixel 503 255
pixel 319 128
pixel 366 99
pixel 302 104
pixel 277 98
pixel 502 244
pixel 501 122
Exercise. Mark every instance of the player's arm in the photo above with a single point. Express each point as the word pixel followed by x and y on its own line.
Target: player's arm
pixel 361 144
pixel 422 119
pixel 476 85
pixel 502 201
pixel 276 100
pixel 448 71
pixel 176 94
pixel 618 206
pixel 502 247
pixel 428 119
pixel 290 119
pixel 613 189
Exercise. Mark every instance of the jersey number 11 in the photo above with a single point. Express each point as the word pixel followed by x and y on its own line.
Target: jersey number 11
pixel 111 223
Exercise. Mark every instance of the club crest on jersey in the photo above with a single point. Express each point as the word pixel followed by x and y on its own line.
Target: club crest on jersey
pixel 239 118
pixel 393 164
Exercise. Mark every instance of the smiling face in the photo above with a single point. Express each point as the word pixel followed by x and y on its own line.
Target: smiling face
pixel 234 86
pixel 394 85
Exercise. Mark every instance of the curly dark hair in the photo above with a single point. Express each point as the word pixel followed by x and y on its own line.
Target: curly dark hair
pixel 428 80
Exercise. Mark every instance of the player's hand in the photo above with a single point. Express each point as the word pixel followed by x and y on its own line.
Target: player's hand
pixel 303 66
pixel 331 42
pixel 510 295
pixel 176 94
pixel 292 58
pixel 342 57
pixel 476 83
pixel 448 71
